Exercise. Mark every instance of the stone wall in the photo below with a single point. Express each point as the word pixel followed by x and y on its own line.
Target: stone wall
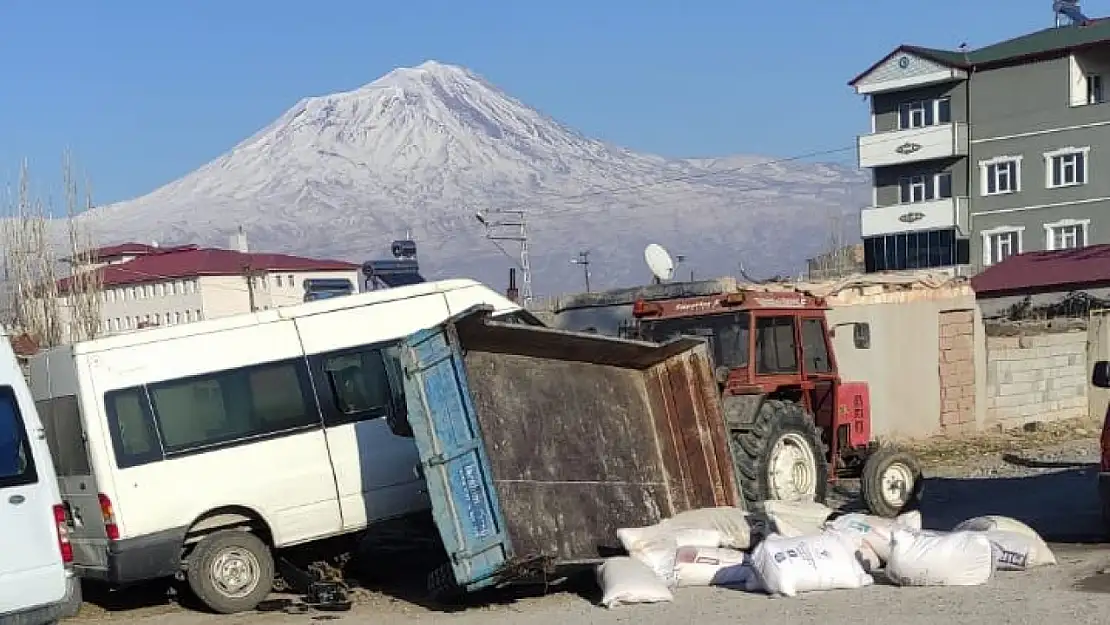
pixel 1036 377
pixel 957 371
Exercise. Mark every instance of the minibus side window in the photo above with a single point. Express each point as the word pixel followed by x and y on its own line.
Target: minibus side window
pixel 361 384
pixel 132 428
pixel 17 465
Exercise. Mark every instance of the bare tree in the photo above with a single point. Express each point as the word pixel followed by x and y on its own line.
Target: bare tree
pixel 839 257
pixel 48 310
pixel 84 294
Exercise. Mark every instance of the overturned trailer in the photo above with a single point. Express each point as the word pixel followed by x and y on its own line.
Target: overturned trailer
pixel 538 444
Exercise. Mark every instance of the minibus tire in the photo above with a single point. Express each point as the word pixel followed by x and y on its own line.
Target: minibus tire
pixel 226 559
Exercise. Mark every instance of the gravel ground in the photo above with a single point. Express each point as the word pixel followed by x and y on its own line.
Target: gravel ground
pixel 1044 477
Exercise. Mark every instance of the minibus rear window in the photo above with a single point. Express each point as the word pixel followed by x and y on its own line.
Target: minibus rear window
pixel 61 418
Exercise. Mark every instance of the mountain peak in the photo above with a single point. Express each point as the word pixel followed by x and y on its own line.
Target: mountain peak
pixel 425 147
pixel 428 71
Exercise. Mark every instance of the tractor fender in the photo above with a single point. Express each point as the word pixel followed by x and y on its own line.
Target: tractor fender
pixel 740 410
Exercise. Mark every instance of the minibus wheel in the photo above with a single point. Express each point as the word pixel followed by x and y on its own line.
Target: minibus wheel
pixel 231 571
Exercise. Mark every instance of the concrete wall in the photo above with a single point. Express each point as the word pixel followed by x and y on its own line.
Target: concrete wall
pixel 903 366
pixel 1038 377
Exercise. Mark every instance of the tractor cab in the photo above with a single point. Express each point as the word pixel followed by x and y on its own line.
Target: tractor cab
pixel 794 425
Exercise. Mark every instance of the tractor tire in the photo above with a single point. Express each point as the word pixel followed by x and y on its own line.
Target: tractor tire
pixel 780 424
pixel 883 484
pixel 231 571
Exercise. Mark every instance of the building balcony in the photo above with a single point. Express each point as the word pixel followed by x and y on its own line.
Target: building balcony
pixel 916 216
pixel 898 147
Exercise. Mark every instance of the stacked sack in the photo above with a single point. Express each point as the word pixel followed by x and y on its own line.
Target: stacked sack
pixel 796 547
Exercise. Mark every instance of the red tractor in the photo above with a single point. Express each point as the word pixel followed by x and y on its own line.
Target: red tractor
pixel 794 425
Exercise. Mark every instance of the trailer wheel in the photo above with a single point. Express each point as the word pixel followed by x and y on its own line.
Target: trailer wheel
pixel 442 587
pixel 231 571
pixel 891 482
pixel 781 456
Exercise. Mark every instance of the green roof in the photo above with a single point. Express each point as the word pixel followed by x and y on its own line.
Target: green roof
pixel 1049 40
pixel 1041 42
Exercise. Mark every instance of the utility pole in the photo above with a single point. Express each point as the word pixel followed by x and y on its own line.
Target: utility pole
pixel 250 275
pixel 584 260
pixel 511 225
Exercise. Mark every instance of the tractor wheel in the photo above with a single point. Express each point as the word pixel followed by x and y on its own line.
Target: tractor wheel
pixel 781 456
pixel 891 483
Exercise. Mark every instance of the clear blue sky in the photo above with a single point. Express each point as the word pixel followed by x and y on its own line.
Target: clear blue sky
pixel 144 91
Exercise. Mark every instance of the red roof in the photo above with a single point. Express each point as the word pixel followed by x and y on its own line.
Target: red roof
pixel 172 263
pixel 1033 272
pixel 23 345
pixel 126 249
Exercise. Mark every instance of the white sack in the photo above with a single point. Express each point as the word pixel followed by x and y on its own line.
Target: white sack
pixel 911 520
pixel 1019 552
pixel 624 581
pixel 874 531
pixel 656 546
pixel 868 559
pixel 711 566
pixel 788 566
pixel 930 559
pixel 732 524
pixel 802 517
pixel 993 522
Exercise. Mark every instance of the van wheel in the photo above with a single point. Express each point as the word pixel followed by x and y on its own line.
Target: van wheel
pixel 231 571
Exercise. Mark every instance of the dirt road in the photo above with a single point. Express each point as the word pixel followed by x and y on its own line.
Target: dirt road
pixel 1047 481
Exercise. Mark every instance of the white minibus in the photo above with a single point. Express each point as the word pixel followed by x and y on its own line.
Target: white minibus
pixel 194 450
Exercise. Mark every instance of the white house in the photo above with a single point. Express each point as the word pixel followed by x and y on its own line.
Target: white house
pixel 146 285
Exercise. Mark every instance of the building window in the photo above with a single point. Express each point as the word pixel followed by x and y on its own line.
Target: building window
pixel 289 279
pixel 1000 175
pixel 199 316
pixel 1066 234
pixel 1001 243
pixel 177 317
pixel 277 281
pixel 1066 167
pixel 1095 94
pixel 914 250
pixel 924 113
pixel 160 290
pixel 925 187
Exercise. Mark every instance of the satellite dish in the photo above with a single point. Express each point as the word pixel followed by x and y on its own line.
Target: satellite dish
pixel 659 261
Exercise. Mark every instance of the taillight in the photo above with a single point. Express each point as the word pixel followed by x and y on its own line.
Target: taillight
pixel 110 527
pixel 61 525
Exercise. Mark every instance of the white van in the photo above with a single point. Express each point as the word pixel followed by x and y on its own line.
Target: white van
pixel 288 423
pixel 36 584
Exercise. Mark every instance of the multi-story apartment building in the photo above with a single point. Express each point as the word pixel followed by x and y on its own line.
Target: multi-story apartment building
pixel 980 154
pixel 142 285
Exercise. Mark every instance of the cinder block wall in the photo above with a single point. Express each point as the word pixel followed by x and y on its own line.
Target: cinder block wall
pixel 1039 377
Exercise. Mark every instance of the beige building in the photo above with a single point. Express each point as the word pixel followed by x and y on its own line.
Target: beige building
pixel 146 285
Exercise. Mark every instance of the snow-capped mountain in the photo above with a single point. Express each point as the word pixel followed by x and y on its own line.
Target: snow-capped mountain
pixel 423 150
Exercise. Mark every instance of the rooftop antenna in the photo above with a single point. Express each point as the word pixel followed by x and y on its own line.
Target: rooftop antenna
pixel 1068 13
pixel 660 262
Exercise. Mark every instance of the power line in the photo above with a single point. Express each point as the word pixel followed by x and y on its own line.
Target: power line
pixel 520 236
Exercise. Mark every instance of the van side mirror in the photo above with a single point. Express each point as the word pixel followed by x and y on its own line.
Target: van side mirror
pixel 861 335
pixel 1100 378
